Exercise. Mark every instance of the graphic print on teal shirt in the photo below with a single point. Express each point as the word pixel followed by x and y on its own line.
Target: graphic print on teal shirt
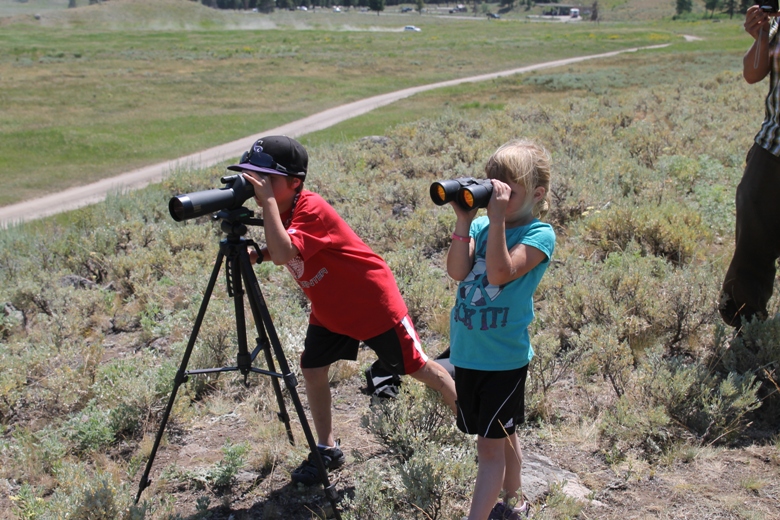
pixel 489 323
pixel 476 290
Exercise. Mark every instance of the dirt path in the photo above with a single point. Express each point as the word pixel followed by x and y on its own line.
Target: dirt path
pixel 89 194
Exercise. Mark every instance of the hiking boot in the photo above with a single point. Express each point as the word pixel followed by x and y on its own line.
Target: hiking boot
pixel 501 511
pixel 308 474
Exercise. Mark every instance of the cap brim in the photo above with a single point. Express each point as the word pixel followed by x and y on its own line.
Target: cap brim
pixel 253 168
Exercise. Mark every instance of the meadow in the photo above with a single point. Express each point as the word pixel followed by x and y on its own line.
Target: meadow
pixel 636 386
pixel 101 90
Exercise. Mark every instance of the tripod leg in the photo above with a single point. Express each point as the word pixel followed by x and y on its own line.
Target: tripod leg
pixel 260 312
pixel 236 265
pixel 283 415
pixel 180 375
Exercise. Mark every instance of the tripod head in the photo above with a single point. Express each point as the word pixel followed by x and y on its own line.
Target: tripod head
pixel 235 221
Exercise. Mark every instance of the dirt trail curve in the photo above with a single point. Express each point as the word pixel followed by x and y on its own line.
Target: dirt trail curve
pixel 84 195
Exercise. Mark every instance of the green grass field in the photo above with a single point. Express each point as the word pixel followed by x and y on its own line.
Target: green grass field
pixel 100 90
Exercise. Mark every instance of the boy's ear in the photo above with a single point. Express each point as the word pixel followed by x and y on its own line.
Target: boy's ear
pixel 294 182
pixel 539 193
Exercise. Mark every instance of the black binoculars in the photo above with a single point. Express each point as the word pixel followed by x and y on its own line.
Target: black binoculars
pixel 468 192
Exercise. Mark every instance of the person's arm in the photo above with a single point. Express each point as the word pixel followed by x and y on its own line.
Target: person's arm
pixel 262 256
pixel 503 265
pixel 755 63
pixel 278 246
pixel 277 241
pixel 460 256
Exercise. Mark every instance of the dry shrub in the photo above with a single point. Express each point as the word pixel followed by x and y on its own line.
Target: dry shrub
pixel 665 231
pixel 433 468
pixel 755 352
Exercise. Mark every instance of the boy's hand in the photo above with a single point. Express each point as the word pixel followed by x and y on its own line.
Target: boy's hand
pixel 253 255
pixel 262 186
pixel 496 208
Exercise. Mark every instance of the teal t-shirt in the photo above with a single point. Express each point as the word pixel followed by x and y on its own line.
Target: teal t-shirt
pixel 489 324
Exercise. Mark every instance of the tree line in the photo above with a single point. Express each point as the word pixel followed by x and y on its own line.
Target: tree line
pixel 729 7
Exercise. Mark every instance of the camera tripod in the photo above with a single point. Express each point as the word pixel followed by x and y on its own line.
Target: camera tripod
pixel 234 251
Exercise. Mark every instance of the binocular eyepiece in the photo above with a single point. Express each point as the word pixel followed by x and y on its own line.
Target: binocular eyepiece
pixel 237 190
pixel 468 192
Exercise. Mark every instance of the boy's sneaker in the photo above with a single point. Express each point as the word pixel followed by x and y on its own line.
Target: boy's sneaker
pixel 501 511
pixel 308 474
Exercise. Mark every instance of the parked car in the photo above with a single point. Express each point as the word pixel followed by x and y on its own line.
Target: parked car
pixel 406 9
pixel 412 28
pixel 494 16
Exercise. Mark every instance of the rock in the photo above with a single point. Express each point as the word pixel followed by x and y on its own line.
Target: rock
pixel 159 344
pixel 14 315
pixel 402 211
pixel 77 282
pixel 540 472
pixel 376 139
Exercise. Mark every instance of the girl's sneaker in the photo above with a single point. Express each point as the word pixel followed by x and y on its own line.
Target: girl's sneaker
pixel 501 511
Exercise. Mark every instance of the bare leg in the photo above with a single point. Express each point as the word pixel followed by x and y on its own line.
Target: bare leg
pixel 318 394
pixel 437 378
pixel 490 476
pixel 512 474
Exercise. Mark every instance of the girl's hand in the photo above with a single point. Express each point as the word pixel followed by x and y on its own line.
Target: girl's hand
pixel 262 186
pixel 496 208
pixel 463 215
pixel 755 21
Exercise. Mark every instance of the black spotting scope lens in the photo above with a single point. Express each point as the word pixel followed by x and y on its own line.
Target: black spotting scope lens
pixel 192 205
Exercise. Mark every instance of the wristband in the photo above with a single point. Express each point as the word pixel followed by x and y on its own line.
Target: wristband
pixel 460 238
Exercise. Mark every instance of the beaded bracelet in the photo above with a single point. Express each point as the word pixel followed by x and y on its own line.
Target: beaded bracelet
pixel 462 239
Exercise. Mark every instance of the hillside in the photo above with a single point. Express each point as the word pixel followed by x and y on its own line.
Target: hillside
pixel 642 209
pixel 636 387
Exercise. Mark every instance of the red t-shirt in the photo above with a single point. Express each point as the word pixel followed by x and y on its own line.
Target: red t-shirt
pixel 351 288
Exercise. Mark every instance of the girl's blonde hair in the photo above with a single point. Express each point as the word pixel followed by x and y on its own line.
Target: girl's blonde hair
pixel 523 162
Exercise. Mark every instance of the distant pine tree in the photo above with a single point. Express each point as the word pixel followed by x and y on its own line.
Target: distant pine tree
pixel 711 5
pixel 683 6
pixel 376 5
pixel 729 6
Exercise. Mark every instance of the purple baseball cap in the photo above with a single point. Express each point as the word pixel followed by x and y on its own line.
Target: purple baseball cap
pixel 275 155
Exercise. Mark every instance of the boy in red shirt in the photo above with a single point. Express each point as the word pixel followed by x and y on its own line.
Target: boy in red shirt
pixel 352 291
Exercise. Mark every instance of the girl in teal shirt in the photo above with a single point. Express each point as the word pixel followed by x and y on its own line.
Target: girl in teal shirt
pixel 499 260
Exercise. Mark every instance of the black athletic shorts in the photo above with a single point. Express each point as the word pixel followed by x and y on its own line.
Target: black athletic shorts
pixel 399 348
pixel 490 404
